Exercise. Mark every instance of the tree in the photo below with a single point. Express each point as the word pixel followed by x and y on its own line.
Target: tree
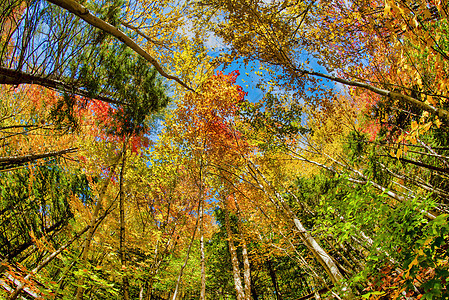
pixel 277 34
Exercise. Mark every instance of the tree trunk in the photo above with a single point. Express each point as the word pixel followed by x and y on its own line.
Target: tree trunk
pixel 53 255
pixel 83 13
pixel 203 258
pixel 181 272
pixel 234 260
pixel 318 252
pixel 125 283
pixel 16 77
pixel 274 280
pixel 365 180
pixel 11 161
pixel 441 113
pixel 91 231
pixel 246 264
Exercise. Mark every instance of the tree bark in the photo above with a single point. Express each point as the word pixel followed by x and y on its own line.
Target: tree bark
pixel 125 283
pixel 234 260
pixel 16 77
pixel 203 258
pixel 365 180
pixel 318 252
pixel 441 113
pixel 9 161
pixel 246 264
pixel 274 280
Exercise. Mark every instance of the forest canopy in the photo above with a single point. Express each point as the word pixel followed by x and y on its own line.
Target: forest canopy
pixel 224 149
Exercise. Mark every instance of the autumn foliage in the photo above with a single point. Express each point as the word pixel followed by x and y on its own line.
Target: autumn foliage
pixel 131 167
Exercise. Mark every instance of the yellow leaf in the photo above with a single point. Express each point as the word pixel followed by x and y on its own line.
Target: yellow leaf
pixel 431 100
pixel 414 125
pixel 387 9
pixel 426 127
pixel 410 266
pixel 415 20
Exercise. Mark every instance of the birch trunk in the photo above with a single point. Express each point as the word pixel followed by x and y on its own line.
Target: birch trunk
pixel 246 265
pixel 318 252
pixel 365 180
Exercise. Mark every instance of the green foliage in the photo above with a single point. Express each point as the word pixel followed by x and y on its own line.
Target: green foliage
pixel 367 210
pixel 130 81
pixel 97 277
pixel 429 260
pixel 36 200
pixel 275 117
pixel 63 113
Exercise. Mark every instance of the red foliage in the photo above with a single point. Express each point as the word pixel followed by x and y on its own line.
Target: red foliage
pixel 103 114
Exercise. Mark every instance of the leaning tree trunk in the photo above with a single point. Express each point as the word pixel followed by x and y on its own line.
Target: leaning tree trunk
pixel 318 252
pixel 53 255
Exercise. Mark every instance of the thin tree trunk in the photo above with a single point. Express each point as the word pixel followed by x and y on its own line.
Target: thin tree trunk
pixel 441 113
pixel 246 264
pixel 365 180
pixel 83 13
pixel 274 280
pixel 141 293
pixel 246 268
pixel 181 272
pixel 234 260
pixel 91 231
pixel 125 283
pixel 350 266
pixel 203 258
pixel 318 252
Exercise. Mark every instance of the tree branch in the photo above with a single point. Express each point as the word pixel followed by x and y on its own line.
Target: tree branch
pixel 83 13
pixel 19 160
pixel 16 77
pixel 441 113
